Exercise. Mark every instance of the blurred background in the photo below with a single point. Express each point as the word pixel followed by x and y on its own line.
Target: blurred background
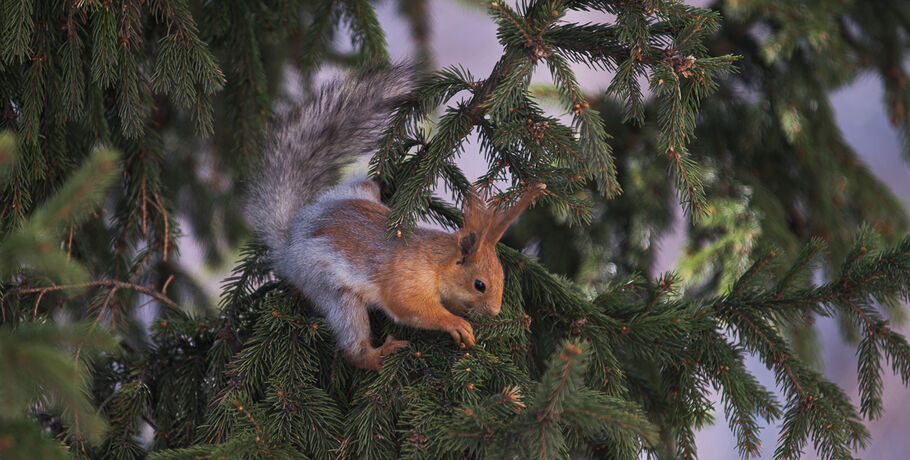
pixel 449 32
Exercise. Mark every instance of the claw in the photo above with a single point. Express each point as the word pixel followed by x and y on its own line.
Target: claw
pixel 462 332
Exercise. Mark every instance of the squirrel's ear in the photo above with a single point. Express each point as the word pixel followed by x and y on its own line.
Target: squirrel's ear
pixel 467 243
pixel 477 216
pixel 501 222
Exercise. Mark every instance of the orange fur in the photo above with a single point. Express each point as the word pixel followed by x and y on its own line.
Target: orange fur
pixel 429 279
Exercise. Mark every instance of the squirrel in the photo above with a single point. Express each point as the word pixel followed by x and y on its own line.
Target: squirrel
pixel 330 240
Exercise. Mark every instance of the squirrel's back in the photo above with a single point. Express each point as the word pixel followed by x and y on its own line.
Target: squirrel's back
pixel 311 141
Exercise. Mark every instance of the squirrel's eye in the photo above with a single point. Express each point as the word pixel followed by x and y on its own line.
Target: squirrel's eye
pixel 480 286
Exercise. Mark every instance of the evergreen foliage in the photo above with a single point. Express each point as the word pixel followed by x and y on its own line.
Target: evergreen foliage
pixel 38 376
pixel 582 362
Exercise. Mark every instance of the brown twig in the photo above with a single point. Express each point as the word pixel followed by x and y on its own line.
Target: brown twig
pixel 35 313
pixel 115 284
pixel 258 429
pixel 782 285
pixel 690 189
pixel 166 284
pixel 748 279
pixel 141 264
pixel 143 207
pixel 553 16
pixel 683 42
pixel 573 351
pixel 780 357
pixel 514 22
pixel 158 202
pixel 108 302
pixel 69 244
pixel 664 287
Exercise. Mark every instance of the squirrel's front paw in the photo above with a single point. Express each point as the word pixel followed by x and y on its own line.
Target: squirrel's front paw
pixel 462 332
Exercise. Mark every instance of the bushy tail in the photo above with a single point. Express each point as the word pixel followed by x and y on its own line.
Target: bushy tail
pixel 310 142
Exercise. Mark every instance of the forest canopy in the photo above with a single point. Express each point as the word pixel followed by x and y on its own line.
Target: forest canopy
pixel 128 127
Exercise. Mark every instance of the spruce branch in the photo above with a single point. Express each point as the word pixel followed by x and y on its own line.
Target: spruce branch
pixel 17 26
pixel 113 284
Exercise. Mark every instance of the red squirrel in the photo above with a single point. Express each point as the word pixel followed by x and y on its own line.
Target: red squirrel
pixel 331 242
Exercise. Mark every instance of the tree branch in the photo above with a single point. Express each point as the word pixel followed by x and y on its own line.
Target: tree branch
pixel 115 284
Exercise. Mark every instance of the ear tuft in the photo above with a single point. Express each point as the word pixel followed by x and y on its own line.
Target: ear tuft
pixel 504 219
pixel 477 216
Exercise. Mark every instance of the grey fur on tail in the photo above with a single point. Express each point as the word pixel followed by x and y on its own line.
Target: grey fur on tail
pixel 312 140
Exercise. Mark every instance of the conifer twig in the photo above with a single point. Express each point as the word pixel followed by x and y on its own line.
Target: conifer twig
pixel 115 284
pixel 780 357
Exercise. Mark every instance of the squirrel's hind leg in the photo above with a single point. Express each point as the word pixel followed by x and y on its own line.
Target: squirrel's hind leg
pixel 351 327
